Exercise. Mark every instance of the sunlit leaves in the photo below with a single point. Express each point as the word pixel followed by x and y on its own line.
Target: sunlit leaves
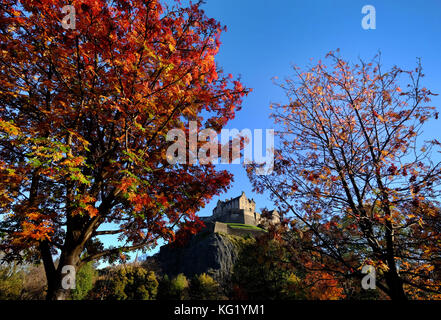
pixel 85 112
pixel 350 168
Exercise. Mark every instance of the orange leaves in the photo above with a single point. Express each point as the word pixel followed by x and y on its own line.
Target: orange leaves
pixel 378 116
pixel 36 227
pixel 348 140
pixel 91 210
pixel 73 162
pixel 386 96
pixel 322 285
pixel 126 183
pixel 35 232
pixel 86 206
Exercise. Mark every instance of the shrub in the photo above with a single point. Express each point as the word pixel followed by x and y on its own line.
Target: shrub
pixel 84 280
pixel 174 289
pixel 179 287
pixel 264 271
pixel 204 287
pixel 136 283
pixel 11 282
pixel 126 283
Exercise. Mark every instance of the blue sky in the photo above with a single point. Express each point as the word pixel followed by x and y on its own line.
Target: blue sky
pixel 265 38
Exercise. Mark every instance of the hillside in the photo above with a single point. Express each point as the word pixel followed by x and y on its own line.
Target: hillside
pixel 210 253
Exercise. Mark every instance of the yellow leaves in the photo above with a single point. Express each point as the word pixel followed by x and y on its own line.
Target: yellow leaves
pixel 73 162
pixel 384 153
pixel 318 90
pixel 77 175
pixel 293 279
pixel 11 28
pixel 9 128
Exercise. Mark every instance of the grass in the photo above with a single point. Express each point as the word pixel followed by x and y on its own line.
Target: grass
pixel 243 226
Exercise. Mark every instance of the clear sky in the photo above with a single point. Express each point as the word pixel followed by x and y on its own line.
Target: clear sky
pixel 266 37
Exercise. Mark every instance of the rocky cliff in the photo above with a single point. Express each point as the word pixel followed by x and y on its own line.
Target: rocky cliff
pixel 210 253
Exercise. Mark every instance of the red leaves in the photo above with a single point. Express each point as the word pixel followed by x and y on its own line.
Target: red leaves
pixel 386 97
pixel 312 177
pixel 84 115
pixel 392 169
pixel 186 230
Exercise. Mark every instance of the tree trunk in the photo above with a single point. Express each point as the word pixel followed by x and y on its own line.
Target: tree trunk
pixel 57 289
pixel 396 290
pixel 58 286
pixel 56 292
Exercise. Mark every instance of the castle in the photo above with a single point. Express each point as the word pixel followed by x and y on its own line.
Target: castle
pixel 239 210
pixel 212 250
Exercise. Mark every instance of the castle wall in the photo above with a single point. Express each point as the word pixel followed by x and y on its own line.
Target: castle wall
pixel 231 217
pixel 220 227
pixel 239 210
pixel 250 218
pixel 244 232
pixel 239 216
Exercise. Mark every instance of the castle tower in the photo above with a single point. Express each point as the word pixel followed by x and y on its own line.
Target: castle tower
pixel 236 210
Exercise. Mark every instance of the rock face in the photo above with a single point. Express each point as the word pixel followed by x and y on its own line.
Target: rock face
pixel 210 253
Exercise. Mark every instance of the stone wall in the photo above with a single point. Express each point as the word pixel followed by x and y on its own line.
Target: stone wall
pixel 235 210
pixel 251 218
pixel 220 227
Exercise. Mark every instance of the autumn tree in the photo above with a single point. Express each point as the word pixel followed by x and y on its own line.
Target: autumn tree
pixel 84 114
pixel 262 270
pixel 270 268
pixel 354 181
